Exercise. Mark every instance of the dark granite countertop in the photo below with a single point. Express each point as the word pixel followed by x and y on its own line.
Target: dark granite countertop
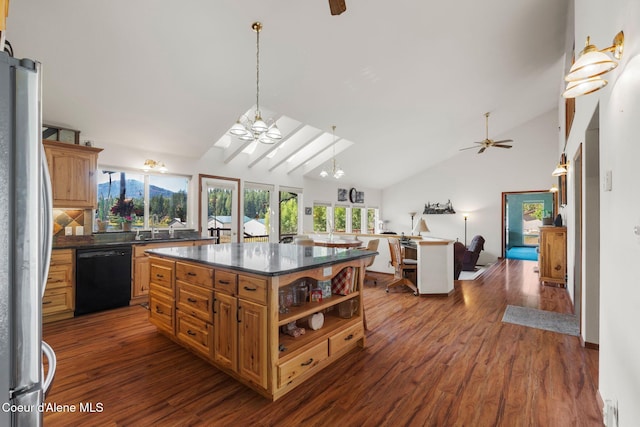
pixel 267 259
pixel 88 242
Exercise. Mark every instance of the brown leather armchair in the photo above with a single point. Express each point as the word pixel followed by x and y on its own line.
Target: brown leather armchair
pixel 458 255
pixel 472 253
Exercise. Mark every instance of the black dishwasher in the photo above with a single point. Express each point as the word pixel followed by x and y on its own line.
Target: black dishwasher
pixel 103 278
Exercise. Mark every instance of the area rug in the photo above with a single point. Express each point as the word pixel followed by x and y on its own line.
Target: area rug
pixel 541 319
pixel 525 253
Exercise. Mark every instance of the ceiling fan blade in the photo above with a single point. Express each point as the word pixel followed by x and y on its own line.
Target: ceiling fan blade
pixel 468 148
pixel 503 146
pixel 482 150
pixel 479 142
pixel 503 140
pixel 337 6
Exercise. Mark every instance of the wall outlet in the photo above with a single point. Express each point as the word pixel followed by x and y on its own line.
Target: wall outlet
pixel 68 231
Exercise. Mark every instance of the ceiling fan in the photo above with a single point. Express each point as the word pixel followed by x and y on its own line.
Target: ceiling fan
pixel 486 143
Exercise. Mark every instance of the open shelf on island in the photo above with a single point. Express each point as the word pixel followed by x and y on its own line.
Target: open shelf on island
pixel 309 308
pixel 293 345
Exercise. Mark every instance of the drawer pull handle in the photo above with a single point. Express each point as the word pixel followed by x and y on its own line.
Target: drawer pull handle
pixel 192 299
pixel 46 302
pixel 158 310
pixel 224 282
pixel 246 288
pixel 348 337
pixel 193 334
pixel 159 275
pixel 191 273
pixel 307 363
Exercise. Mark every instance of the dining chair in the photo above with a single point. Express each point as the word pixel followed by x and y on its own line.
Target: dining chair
pixel 372 245
pixel 401 266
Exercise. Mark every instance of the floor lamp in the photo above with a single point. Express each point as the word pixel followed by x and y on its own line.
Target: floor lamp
pixel 412 215
pixel 466 216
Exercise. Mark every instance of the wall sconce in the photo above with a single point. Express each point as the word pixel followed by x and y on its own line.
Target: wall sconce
pixel 561 169
pixel 584 75
pixel 553 189
pixel 153 164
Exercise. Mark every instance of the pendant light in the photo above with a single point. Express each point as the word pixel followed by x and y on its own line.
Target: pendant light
pixel 336 170
pixel 256 129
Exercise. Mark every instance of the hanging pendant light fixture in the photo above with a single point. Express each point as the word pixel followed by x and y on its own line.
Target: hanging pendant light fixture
pixel 336 170
pixel 256 129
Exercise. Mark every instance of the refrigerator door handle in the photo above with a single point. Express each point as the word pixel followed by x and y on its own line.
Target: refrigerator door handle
pixel 51 357
pixel 47 219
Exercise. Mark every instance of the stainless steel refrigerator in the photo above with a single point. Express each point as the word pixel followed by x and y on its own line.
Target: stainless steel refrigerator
pixel 25 244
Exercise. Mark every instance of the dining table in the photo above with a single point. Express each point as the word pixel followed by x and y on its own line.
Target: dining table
pixel 337 243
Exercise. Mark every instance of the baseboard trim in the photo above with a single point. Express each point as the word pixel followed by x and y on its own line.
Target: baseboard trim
pixel 592 346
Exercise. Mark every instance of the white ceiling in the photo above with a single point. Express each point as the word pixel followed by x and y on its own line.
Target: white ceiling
pixel 406 82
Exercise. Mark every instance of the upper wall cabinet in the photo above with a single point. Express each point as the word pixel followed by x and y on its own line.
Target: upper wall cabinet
pixel 73 174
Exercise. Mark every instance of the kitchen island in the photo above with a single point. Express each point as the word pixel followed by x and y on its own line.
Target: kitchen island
pixel 222 302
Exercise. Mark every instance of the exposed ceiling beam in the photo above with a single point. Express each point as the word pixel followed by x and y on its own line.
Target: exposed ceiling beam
pixel 303 138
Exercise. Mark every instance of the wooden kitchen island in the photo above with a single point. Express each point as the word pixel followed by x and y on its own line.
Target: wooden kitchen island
pixel 221 302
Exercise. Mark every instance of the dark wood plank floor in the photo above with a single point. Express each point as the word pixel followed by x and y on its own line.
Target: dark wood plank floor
pixel 446 361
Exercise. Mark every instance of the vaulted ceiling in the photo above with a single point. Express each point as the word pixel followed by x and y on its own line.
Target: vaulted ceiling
pixel 406 82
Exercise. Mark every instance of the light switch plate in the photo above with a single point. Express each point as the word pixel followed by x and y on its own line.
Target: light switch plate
pixel 608 184
pixel 68 231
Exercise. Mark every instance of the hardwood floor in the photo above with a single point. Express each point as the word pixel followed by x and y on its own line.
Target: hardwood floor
pixel 446 361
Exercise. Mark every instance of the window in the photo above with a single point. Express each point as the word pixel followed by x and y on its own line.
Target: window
pixel 289 212
pixel 321 216
pixel 257 200
pixel 340 218
pixel 372 220
pixel 356 220
pixel 161 197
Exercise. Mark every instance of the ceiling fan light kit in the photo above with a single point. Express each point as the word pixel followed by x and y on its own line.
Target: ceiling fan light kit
pixel 584 75
pixel 486 143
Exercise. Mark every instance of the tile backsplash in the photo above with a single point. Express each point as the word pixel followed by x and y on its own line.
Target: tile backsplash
pixel 73 218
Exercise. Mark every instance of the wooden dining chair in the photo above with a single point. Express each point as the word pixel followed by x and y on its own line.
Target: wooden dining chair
pixel 401 266
pixel 372 245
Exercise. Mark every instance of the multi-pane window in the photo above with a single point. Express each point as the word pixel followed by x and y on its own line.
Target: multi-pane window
pixel 321 216
pixel 372 219
pixel 340 218
pixel 141 199
pixel 356 220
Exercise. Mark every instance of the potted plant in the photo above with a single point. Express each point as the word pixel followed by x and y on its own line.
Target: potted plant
pixel 123 208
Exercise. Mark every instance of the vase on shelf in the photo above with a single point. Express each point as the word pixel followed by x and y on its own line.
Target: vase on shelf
pixel 126 226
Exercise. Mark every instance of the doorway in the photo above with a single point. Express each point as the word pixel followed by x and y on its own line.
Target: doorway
pixel 522 215
pixel 219 208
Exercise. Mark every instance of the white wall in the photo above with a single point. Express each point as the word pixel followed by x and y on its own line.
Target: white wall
pixel 619 107
pixel 474 183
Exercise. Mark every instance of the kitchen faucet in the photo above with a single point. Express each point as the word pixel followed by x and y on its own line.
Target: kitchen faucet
pixel 154 225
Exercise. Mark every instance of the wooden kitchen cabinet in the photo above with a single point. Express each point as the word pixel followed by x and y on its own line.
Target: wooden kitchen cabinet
pixel 140 267
pixel 553 255
pixel 73 174
pixel 58 299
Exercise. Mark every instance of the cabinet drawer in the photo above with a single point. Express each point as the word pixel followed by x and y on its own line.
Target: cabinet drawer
pixel 61 256
pixel 161 312
pixel 303 363
pixel 194 274
pixel 194 300
pixel 252 288
pixel 161 275
pixel 57 300
pixel 226 281
pixel 60 275
pixel 195 333
pixel 346 338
